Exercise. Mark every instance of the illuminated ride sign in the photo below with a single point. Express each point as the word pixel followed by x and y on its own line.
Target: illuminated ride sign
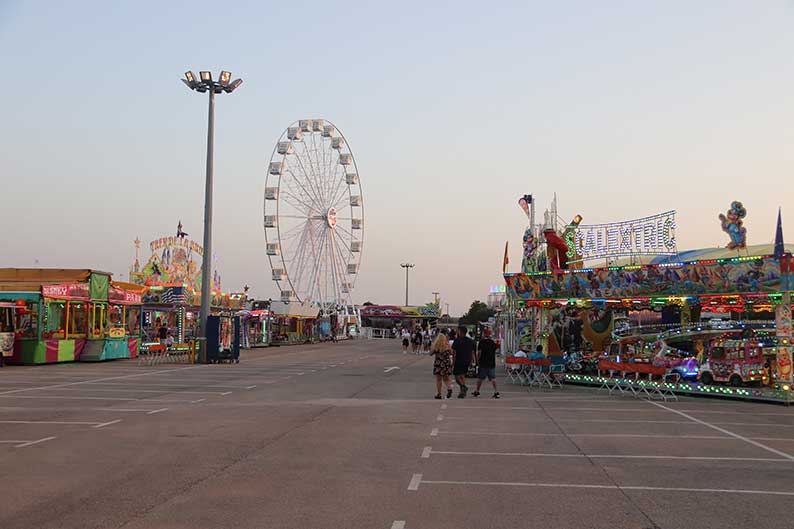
pixel 176 241
pixel 653 235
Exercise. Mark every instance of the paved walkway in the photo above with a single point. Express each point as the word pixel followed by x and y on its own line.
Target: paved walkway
pixel 336 436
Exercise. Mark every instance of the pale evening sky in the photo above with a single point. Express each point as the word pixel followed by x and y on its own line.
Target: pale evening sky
pixel 453 110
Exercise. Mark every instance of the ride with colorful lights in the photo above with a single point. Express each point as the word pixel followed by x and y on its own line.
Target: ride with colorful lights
pixel 612 293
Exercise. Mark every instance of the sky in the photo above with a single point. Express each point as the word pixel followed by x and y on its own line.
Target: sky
pixel 453 110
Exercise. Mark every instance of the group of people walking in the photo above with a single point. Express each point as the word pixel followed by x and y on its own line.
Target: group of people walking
pixel 419 340
pixel 453 354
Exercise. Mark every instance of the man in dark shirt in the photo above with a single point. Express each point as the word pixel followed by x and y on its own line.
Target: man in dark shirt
pixel 486 365
pixel 464 348
pixel 162 333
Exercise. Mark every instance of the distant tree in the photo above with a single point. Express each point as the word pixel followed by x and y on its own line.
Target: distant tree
pixel 367 304
pixel 478 312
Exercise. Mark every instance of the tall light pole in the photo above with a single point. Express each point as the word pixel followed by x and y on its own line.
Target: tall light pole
pixel 205 84
pixel 436 298
pixel 407 267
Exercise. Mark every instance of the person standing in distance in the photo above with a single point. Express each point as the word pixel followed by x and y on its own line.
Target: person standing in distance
pixel 486 364
pixel 464 349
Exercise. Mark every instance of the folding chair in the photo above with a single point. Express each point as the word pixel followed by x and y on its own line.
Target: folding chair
pixel 513 369
pixel 555 375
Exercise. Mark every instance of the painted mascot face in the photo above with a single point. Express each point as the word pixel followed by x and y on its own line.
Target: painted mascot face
pixel 6 343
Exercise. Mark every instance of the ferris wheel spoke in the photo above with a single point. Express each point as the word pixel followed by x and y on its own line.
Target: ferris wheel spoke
pixel 335 181
pixel 341 190
pixel 300 153
pixel 348 232
pixel 343 241
pixel 296 178
pixel 298 200
pixel 292 232
pixel 299 173
pixel 314 155
pixel 334 265
pixel 315 276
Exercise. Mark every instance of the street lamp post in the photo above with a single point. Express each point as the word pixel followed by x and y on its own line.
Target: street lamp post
pixel 407 266
pixel 206 84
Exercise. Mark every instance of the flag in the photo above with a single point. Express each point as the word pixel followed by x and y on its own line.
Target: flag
pixel 506 260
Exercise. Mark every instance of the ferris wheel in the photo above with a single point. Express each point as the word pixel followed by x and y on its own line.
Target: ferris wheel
pixel 314 215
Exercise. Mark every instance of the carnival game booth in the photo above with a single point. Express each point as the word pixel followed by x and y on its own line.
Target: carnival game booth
pixel 254 327
pixel 293 322
pixel 64 315
pixel 177 308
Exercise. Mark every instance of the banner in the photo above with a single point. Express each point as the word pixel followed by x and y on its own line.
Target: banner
pixel 66 291
pixel 747 274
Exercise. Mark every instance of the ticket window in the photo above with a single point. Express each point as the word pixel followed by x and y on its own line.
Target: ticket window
pixel 98 320
pixel 7 319
pixel 133 316
pixel 117 320
pixel 77 319
pixel 56 313
pixel 27 319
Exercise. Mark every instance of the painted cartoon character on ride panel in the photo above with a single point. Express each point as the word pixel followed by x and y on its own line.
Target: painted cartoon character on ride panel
pixel 732 225
pixel 529 262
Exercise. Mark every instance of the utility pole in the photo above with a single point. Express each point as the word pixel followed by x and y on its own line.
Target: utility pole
pixel 407 267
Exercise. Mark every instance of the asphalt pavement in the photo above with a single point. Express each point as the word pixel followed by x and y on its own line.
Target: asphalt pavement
pixel 347 435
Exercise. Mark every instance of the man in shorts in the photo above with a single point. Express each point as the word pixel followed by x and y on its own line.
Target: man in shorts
pixel 486 364
pixel 464 348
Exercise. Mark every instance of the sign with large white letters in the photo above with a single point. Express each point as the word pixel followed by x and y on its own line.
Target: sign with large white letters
pixel 654 235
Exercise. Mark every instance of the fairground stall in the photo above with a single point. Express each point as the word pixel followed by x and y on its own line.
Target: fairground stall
pixel 715 315
pixel 68 315
pixel 171 278
pixel 294 323
pixel 256 321
pixel 386 320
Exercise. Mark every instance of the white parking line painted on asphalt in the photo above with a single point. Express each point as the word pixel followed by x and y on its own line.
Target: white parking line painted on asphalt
pixel 84 423
pixel 99 380
pixel 398 524
pixel 130 410
pixel 727 432
pixel 416 479
pixel 640 436
pixel 428 452
pixel 107 423
pixel 434 432
pixel 609 487
pixel 37 441
pixel 443 406
pixel 11 441
pixel 497 407
pixel 138 385
pixel 226 393
pixel 197 401
pixel 161 410
pixel 63 397
pixel 136 390
pixel 250 387
pixel 440 417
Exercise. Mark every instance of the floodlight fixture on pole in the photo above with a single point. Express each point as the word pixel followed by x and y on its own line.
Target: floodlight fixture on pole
pixel 407 266
pixel 201 85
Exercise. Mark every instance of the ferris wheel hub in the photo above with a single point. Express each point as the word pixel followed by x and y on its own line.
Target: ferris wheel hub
pixel 330 218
